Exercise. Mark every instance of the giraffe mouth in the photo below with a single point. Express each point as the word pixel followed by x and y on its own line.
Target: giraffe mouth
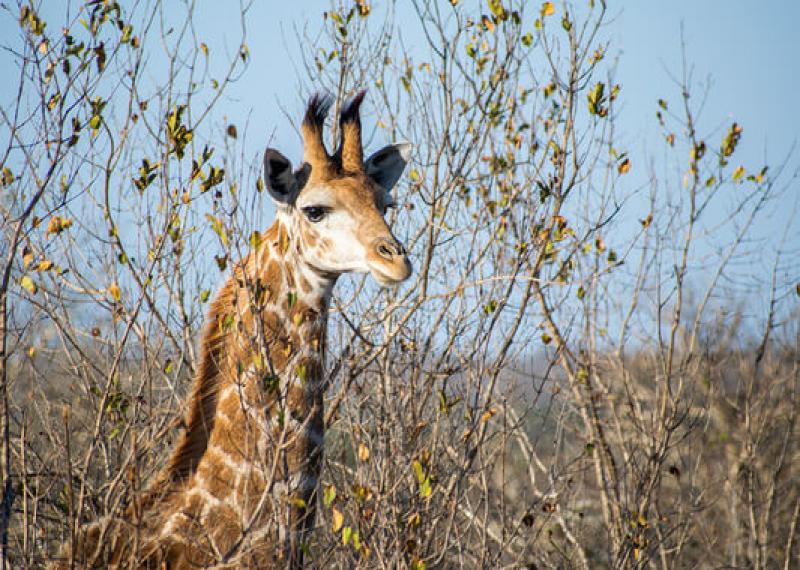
pixel 391 276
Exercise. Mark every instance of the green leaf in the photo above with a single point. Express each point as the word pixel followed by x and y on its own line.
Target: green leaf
pixel 127 33
pixel 596 99
pixel 425 489
pixel 219 228
pixel 227 323
pixel 498 11
pixel 347 533
pixel 328 495
pixel 527 39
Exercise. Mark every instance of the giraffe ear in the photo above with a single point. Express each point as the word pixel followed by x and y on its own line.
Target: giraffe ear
pixel 283 184
pixel 386 166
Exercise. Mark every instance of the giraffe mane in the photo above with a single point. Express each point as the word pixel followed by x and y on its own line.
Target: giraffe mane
pixel 202 407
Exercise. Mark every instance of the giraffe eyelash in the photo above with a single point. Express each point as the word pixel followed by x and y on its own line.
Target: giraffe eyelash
pixel 315 213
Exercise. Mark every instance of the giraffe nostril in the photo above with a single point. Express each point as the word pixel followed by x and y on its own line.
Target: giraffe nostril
pixel 389 249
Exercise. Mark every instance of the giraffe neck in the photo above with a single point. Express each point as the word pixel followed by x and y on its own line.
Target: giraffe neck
pixel 264 343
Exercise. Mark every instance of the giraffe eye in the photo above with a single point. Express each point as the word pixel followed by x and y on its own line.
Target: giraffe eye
pixel 315 213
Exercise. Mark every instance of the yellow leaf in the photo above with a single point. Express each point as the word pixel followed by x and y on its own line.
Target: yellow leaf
pixel 115 292
pixel 28 284
pixel 57 224
pixel 546 338
pixel 363 452
pixel 8 176
pixel 45 265
pixel 487 23
pixel 548 9
pixel 624 166
pixel 204 48
pixel 337 520
pixel 738 174
pixel 27 257
pixel 297 502
pixel 487 415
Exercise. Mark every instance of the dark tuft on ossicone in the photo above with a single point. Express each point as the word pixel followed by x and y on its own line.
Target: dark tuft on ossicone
pixel 349 112
pixel 318 106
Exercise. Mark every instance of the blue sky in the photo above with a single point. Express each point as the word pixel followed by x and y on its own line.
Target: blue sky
pixel 746 51
pixel 750 51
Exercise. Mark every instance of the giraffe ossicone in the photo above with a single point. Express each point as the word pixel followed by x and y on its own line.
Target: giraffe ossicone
pixel 240 488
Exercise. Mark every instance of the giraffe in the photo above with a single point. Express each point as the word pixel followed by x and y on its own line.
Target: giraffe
pixel 239 489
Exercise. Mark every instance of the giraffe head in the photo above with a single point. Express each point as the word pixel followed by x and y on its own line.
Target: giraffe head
pixel 337 203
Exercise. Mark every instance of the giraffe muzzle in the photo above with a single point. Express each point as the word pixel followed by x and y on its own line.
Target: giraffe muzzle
pixel 389 262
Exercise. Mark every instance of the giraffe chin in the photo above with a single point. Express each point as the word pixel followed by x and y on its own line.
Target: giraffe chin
pixel 384 279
